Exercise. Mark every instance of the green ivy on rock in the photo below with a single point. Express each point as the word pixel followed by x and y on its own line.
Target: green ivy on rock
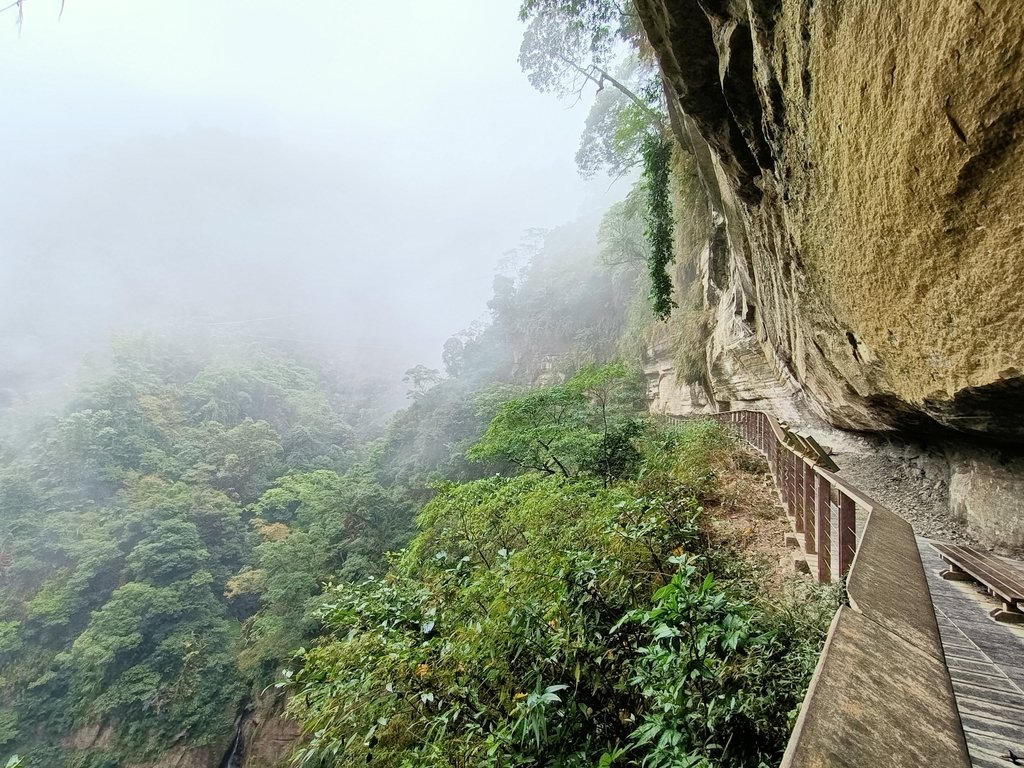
pixel 657 155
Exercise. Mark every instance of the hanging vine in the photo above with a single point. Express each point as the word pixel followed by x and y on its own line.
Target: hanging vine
pixel 657 155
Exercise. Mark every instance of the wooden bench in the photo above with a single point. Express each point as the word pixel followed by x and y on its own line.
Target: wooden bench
pixel 999 577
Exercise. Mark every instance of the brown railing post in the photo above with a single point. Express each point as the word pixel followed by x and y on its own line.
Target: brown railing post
pixel 787 470
pixel 807 491
pixel 798 488
pixel 790 485
pixel 795 496
pixel 784 479
pixel 787 462
pixel 798 491
pixel 847 532
pixel 775 457
pixel 823 507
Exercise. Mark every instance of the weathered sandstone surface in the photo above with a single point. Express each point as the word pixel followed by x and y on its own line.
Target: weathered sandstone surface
pixel 864 169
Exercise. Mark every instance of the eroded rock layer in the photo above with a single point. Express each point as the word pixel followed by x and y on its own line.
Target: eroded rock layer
pixel 865 158
pixel 863 165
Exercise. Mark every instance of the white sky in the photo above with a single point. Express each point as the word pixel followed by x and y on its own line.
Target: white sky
pixel 363 164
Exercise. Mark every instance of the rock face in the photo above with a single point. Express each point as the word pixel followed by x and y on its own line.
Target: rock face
pixel 269 739
pixel 864 168
pixel 94 741
pixel 94 736
pixel 986 494
pixel 264 738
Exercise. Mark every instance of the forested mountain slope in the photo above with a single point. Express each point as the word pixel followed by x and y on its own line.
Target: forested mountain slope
pixel 218 554
pixel 148 583
pixel 167 533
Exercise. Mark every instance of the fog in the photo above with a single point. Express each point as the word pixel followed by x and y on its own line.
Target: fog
pixel 349 173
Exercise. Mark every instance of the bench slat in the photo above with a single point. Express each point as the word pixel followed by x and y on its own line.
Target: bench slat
pixel 1002 571
pixel 994 570
pixel 993 579
pixel 996 566
pixel 1000 577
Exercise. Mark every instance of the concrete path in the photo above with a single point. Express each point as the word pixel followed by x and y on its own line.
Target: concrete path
pixel 986 663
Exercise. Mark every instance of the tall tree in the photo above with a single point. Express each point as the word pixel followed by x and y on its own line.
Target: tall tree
pixel 569 44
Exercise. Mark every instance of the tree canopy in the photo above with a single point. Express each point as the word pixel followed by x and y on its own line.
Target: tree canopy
pixel 145 588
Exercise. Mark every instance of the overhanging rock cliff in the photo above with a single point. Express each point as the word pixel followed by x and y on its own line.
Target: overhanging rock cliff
pixel 864 162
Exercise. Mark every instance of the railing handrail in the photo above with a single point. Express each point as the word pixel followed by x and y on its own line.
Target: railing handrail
pixel 849 489
pixel 881 694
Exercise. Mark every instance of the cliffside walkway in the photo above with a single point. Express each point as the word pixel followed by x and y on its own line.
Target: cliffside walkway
pixel 914 671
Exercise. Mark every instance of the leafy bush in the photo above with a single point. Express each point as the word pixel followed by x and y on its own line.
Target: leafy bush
pixel 557 619
pixel 723 675
pixel 586 425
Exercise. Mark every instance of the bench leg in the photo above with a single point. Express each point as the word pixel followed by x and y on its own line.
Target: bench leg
pixel 1008 614
pixel 955 574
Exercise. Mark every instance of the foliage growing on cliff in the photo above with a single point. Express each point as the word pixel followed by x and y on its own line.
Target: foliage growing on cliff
pixel 557 311
pixel 546 619
pixel 617 125
pixel 657 153
pixel 690 324
pixel 567 45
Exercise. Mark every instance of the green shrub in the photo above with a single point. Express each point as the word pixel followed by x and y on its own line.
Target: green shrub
pixel 551 619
